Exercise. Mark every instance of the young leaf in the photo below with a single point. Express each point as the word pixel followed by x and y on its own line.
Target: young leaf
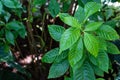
pixel 91 44
pixel 58 69
pixel 9 37
pixel 112 48
pixel 85 72
pixel 69 37
pixel 91 8
pixel 56 31
pixel 92 26
pixel 53 8
pixel 107 32
pixel 76 52
pixel 50 56
pixel 79 14
pixel 69 20
pixel 103 61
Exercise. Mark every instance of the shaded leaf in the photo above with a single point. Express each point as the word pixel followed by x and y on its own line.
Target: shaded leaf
pixel 103 61
pixel 53 8
pixel 12 3
pixel 85 72
pixel 50 56
pixel 56 31
pixel 112 48
pixel 58 69
pixel 9 37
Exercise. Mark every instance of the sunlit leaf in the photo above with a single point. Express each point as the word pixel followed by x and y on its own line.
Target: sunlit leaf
pixel 91 44
pixel 69 37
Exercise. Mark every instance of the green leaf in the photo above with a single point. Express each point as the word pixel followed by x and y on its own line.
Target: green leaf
pixel 109 13
pixel 103 61
pixel 9 37
pixel 91 8
pixel 1 7
pixel 100 79
pixel 91 44
pixel 38 2
pixel 92 26
pixel 69 20
pixel 98 71
pixel 53 8
pixel 112 48
pixel 93 59
pixel 12 3
pixel 14 25
pixel 56 31
pixel 58 69
pixel 107 32
pixel 5 55
pixel 18 67
pixel 79 14
pixel 76 52
pixel 61 57
pixel 69 37
pixel 50 56
pixel 85 72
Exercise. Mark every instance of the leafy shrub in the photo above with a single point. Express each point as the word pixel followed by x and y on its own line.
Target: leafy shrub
pixel 84 46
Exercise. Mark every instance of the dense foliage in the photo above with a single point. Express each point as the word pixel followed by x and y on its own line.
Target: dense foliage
pixel 80 38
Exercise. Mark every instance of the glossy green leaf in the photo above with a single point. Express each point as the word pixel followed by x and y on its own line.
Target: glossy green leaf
pixel 50 56
pixel 91 44
pixel 12 3
pixel 91 8
pixel 53 8
pixel 112 48
pixel 58 69
pixel 56 31
pixel 69 20
pixel 69 37
pixel 76 52
pixel 9 37
pixel 79 14
pixel 107 32
pixel 85 72
pixel 92 26
pixel 103 61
